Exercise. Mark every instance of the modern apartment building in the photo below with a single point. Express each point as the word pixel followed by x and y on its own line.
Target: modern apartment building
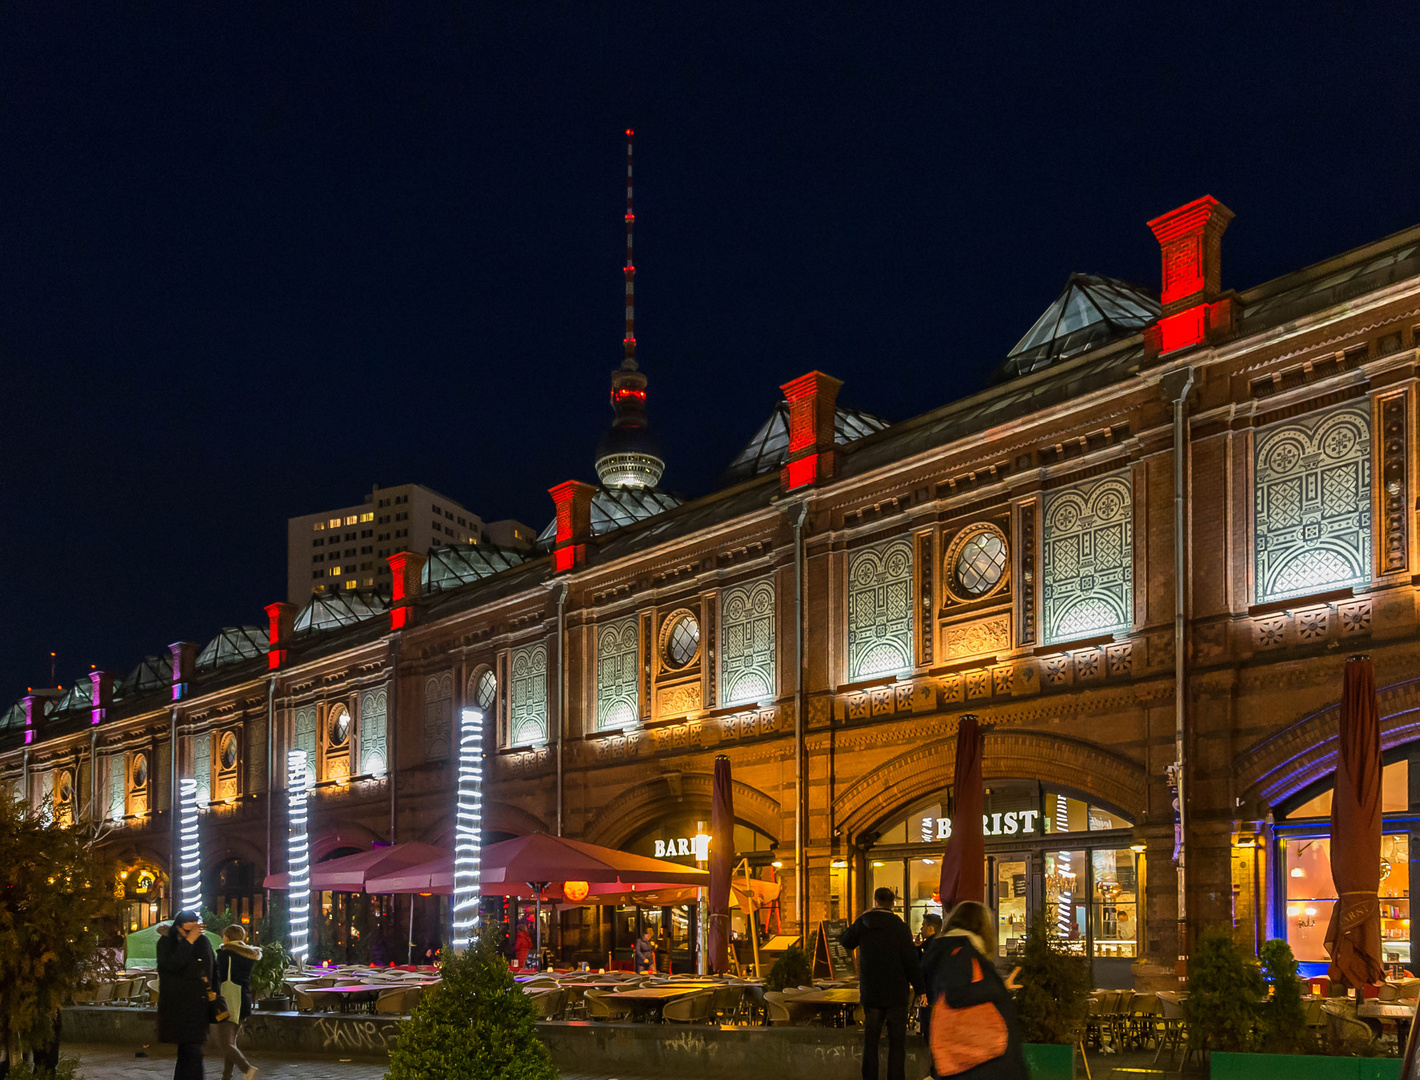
pixel 346 548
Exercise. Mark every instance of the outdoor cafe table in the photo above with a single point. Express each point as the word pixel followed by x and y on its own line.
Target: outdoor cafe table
pixel 1373 1012
pixel 348 992
pixel 651 999
pixel 839 1002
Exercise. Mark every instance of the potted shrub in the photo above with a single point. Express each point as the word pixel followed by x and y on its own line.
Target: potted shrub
pixel 1283 1021
pixel 791 969
pixel 1225 992
pixel 268 976
pixel 1052 1003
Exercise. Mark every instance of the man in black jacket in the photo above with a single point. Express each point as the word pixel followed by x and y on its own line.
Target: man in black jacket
pixel 888 970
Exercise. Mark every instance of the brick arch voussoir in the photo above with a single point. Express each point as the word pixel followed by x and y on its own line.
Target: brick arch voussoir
pixel 624 816
pixel 1006 754
pixel 1302 753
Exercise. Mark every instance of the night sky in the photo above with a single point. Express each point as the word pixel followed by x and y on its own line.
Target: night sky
pixel 259 257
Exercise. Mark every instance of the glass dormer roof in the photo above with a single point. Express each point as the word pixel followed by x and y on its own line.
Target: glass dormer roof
pixel 1093 310
pixel 769 448
pixel 152 673
pixel 233 645
pixel 80 695
pixel 331 611
pixel 450 567
pixel 14 717
pixel 615 507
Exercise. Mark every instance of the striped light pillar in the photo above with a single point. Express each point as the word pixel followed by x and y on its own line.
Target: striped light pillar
pixel 298 856
pixel 189 850
pixel 468 829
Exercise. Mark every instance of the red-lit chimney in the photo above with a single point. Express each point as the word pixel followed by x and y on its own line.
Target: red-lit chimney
pixel 278 636
pixel 407 572
pixel 1191 246
pixel 101 696
pixel 813 401
pixel 184 661
pixel 573 500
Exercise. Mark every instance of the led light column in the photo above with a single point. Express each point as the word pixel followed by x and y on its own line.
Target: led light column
pixel 189 851
pixel 298 856
pixel 468 829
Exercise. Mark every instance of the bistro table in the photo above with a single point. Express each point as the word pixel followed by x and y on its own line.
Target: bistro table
pixel 1403 1015
pixel 348 992
pixel 838 1002
pixel 650 1000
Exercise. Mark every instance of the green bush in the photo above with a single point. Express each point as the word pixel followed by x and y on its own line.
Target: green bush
pixel 1054 997
pixel 1283 1022
pixel 1225 992
pixel 791 969
pixel 477 1026
pixel 269 973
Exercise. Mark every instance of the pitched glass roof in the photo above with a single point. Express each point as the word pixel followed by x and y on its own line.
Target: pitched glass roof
pixel 233 645
pixel 79 696
pixel 769 448
pixel 152 673
pixel 450 567
pixel 330 611
pixel 614 507
pixel 1092 310
pixel 14 717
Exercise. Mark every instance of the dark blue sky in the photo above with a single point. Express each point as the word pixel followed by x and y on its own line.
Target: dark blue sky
pixel 257 257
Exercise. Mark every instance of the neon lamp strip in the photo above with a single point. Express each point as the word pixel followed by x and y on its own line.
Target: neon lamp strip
pixel 189 851
pixel 1065 901
pixel 468 829
pixel 298 855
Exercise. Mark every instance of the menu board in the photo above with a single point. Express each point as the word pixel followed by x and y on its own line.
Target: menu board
pixel 830 957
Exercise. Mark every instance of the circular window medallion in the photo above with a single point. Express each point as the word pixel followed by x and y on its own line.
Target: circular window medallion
pixel 976 562
pixel 140 770
pixel 228 754
pixel 680 640
pixel 485 691
pixel 338 727
pixel 63 788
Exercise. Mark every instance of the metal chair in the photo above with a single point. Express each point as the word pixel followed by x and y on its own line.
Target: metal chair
pixel 780 1012
pixel 1344 1031
pixel 602 1005
pixel 303 1001
pixel 551 1005
pixel 693 1009
pixel 725 1003
pixel 1175 1028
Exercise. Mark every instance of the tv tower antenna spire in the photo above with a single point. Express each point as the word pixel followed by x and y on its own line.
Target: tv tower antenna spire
pixel 629 341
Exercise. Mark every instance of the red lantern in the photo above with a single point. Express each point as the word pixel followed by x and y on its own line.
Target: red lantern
pixel 575 891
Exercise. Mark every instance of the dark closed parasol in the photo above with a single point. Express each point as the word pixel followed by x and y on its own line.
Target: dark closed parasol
pixel 964 863
pixel 1353 938
pixel 722 860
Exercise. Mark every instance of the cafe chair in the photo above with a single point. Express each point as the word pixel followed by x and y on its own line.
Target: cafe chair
pixel 1346 1034
pixel 726 1003
pixel 694 1009
pixel 302 1000
pixel 602 1005
pixel 550 1006
pixel 780 1014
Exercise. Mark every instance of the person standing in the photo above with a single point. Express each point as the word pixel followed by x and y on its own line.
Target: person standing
pixel 235 959
pixel 522 945
pixel 888 971
pixel 186 965
pixel 646 952
pixel 931 926
pixel 974 1034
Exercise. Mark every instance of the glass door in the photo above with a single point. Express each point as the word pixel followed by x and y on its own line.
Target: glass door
pixel 1011 893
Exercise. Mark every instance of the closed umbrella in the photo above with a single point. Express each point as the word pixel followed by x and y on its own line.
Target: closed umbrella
pixel 722 858
pixel 1353 937
pixel 964 862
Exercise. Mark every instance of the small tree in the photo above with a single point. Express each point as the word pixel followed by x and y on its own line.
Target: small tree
pixel 1225 992
pixel 791 969
pixel 1054 997
pixel 1283 1020
pixel 269 973
pixel 477 1026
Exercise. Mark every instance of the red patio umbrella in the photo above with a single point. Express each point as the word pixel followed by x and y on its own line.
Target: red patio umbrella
pixel 1353 937
pixel 964 861
pixel 350 873
pixel 722 860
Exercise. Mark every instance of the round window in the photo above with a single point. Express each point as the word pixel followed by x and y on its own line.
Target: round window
pixel 682 640
pixel 976 563
pixel 338 727
pixel 140 770
pixel 485 691
pixel 228 755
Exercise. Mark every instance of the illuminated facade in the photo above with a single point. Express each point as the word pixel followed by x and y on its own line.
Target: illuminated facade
pixel 849 592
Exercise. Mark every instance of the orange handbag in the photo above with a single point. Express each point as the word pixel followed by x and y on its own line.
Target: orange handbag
pixel 965 1038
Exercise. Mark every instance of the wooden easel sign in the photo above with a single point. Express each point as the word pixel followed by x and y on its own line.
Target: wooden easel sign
pixel 831 959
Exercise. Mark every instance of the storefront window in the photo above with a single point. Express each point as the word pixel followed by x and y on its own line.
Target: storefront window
pixel 1311 895
pixel 1065 900
pixel 924 877
pixel 1012 888
pixel 1395 794
pixel 1114 907
pixel 886 874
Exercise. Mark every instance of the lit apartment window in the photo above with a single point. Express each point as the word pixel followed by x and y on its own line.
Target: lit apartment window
pixel 335 571
pixel 351 519
pixel 335 523
pixel 367 516
pixel 319 526
pixel 368 582
pixel 352 584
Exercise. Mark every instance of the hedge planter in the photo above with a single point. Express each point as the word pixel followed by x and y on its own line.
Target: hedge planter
pixel 1301 1067
pixel 1050 1061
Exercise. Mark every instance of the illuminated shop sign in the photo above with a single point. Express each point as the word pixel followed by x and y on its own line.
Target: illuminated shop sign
pixel 1010 823
pixel 690 847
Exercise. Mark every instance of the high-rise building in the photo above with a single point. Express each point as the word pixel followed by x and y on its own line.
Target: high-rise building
pixel 346 548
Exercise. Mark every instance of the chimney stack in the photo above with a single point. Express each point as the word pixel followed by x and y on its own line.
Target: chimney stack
pixel 35 706
pixel 1191 249
pixel 813 402
pixel 278 636
pixel 184 662
pixel 101 696
pixel 573 500
pixel 406 573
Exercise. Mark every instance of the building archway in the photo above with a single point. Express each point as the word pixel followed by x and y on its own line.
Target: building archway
pixel 676 795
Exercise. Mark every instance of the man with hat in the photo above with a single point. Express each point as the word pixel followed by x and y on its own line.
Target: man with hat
pixel 186 965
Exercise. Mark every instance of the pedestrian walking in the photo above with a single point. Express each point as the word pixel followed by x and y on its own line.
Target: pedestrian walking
pixel 186 993
pixel 646 952
pixel 235 959
pixel 973 1033
pixel 931 926
pixel 888 971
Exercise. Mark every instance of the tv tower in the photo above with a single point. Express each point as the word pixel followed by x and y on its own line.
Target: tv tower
pixel 629 342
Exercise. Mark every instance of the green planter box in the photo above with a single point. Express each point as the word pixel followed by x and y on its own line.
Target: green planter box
pixel 1301 1067
pixel 1047 1061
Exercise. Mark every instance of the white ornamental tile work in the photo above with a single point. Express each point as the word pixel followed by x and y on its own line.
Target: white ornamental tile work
pixel 202 766
pixel 438 716
pixel 305 736
pixel 880 610
pixel 1087 559
pixel 618 649
pixel 527 710
pixel 1312 486
pixel 747 643
pixel 374 731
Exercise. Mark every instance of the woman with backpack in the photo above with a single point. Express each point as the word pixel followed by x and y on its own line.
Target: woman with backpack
pixel 973 1033
pixel 235 959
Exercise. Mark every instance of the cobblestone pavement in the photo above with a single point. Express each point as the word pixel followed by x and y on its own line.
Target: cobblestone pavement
pixel 118 1063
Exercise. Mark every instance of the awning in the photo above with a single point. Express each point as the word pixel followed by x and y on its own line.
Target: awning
pixel 352 873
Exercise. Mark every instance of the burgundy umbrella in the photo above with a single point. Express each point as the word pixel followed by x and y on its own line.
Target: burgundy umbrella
pixel 722 860
pixel 1353 937
pixel 964 862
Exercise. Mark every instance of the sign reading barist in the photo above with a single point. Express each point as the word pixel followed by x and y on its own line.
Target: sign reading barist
pixel 691 847
pixel 1012 823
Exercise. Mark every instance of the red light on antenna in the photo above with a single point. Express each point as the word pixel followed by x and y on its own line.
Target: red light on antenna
pixel 630 132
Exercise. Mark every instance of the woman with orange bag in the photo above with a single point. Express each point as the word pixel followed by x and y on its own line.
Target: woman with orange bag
pixel 973 1032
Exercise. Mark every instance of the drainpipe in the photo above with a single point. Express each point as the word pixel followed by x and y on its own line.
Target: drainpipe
pixel 561 692
pixel 1177 385
pixel 270 765
pixel 93 774
pixel 25 776
pixel 801 877
pixel 173 844
pixel 392 727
